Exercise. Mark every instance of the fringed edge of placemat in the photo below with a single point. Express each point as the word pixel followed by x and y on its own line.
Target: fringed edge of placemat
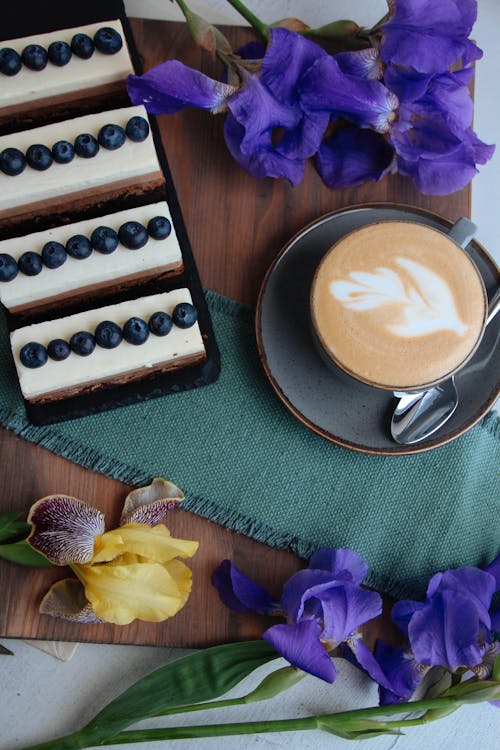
pixel 91 459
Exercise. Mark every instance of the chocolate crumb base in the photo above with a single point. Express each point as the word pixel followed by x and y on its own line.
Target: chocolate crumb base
pixel 122 379
pixel 92 292
pixel 63 107
pixel 81 200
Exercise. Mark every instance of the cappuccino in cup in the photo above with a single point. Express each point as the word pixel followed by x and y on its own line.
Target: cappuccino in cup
pixel 398 305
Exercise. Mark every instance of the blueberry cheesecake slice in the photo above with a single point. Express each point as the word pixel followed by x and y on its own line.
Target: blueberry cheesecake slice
pixel 76 164
pixel 86 260
pixel 63 72
pixel 107 346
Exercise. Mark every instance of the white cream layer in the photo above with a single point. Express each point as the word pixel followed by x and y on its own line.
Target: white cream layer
pixel 104 363
pixel 125 163
pixel 97 268
pixel 78 75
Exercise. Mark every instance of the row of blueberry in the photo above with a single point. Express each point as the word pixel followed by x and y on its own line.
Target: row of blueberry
pixel 35 57
pixel 109 335
pixel 40 157
pixel 132 235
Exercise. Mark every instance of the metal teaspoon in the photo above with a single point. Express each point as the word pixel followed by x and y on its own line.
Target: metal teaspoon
pixel 419 415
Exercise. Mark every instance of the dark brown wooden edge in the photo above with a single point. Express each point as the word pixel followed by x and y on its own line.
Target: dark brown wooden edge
pixel 398 450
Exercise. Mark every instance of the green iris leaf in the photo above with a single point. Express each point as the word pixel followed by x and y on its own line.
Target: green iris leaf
pixel 22 554
pixel 195 678
pixel 11 528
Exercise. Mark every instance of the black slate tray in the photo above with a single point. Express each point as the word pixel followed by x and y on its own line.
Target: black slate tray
pixel 24 19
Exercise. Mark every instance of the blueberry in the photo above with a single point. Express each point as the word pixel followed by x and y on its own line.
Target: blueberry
pixel 59 53
pixel 111 137
pixel 108 334
pixel 39 157
pixel 108 41
pixel 63 152
pixel 104 240
pixel 159 227
pixel 133 235
pixel 58 349
pixel 30 264
pixel 184 315
pixel 10 61
pixel 82 46
pixel 78 247
pixel 137 129
pixel 135 331
pixel 12 161
pixel 82 343
pixel 53 254
pixel 86 145
pixel 33 355
pixel 8 267
pixel 34 57
pixel 160 323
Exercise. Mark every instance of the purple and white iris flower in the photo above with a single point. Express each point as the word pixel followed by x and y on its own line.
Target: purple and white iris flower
pixel 324 605
pixel 392 106
pixel 452 629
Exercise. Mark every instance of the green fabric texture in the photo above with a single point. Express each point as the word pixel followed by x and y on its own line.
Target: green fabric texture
pixel 246 463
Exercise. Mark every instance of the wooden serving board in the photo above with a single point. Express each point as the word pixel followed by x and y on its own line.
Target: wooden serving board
pixel 236 224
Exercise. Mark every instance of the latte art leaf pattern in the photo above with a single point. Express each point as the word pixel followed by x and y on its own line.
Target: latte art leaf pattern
pixel 425 300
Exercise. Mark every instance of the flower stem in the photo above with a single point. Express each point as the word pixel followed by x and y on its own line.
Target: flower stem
pixel 342 721
pixel 259 26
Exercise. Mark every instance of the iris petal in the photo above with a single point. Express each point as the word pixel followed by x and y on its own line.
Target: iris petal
pixel 66 599
pixel 477 585
pixel 170 86
pixel 444 632
pixel 346 608
pixel 351 156
pixel 240 593
pixel 430 36
pixel 366 103
pixel 401 670
pixel 345 564
pixel 267 161
pixel 64 529
pixel 150 543
pixel 300 645
pixel 288 57
pixel 120 593
pixel 150 504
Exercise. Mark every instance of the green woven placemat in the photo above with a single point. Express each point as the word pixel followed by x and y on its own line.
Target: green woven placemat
pixel 246 463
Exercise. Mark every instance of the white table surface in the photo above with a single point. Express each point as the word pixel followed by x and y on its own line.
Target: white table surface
pixel 42 697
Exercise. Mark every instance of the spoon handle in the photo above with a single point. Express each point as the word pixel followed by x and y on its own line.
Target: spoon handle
pixel 493 306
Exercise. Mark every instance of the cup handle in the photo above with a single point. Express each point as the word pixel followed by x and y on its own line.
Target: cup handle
pixel 462 231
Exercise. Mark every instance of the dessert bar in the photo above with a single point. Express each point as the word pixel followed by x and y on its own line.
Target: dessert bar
pixel 76 164
pixel 62 72
pixel 82 261
pixel 107 346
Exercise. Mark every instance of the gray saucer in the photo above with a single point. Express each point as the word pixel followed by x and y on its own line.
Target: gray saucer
pixel 330 403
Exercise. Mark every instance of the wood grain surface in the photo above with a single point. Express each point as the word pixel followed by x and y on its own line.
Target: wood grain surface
pixel 236 225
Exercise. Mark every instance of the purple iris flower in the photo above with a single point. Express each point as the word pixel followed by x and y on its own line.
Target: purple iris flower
pixel 452 628
pixel 432 137
pixel 324 604
pixel 430 36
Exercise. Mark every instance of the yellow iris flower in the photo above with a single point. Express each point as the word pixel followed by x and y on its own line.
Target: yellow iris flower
pixel 125 574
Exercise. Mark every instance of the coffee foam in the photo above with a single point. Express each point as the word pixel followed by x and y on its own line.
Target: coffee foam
pixel 398 305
